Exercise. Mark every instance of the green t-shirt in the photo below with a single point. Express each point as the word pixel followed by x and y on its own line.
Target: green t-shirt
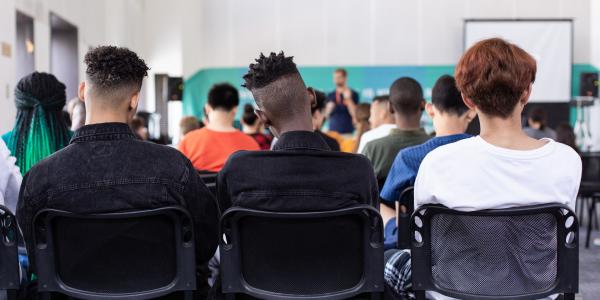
pixel 383 151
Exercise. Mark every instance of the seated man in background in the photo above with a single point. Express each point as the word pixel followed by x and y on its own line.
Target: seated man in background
pixel 318 117
pixel 381 120
pixel 500 168
pixel 451 117
pixel 208 148
pixel 300 160
pixel 406 104
pixel 537 127
pixel 106 168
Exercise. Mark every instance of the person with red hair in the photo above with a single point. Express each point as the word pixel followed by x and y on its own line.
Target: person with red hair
pixel 500 168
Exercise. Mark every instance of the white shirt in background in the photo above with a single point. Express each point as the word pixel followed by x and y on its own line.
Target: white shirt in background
pixel 10 179
pixel 472 174
pixel 374 134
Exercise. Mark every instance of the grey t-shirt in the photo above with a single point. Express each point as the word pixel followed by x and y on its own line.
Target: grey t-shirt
pixel 540 134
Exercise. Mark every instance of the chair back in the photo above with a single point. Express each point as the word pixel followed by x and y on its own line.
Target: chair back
pixel 302 255
pixel 9 256
pixel 514 253
pixel 406 207
pixel 126 255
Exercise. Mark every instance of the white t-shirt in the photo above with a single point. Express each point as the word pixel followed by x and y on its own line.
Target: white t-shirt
pixel 374 134
pixel 10 178
pixel 472 174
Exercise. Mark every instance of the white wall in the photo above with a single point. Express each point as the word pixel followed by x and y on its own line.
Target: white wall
pixel 355 32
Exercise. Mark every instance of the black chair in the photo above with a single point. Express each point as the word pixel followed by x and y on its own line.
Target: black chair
pixel 302 255
pixel 126 255
pixel 515 253
pixel 210 180
pixel 406 207
pixel 589 190
pixel 9 256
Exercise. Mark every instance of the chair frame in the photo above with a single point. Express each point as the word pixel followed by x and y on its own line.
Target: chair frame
pixel 9 254
pixel 408 200
pixel 567 281
pixel 49 280
pixel 233 281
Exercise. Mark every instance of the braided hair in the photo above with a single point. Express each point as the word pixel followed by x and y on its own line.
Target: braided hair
pixel 40 128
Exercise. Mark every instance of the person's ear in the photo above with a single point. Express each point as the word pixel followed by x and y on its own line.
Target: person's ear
pixel 391 108
pixel 526 94
pixel 423 104
pixel 263 117
pixel 429 109
pixel 470 104
pixel 134 101
pixel 470 115
pixel 234 111
pixel 81 92
pixel 312 96
pixel 207 109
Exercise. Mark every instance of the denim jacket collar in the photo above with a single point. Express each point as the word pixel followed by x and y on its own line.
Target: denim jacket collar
pixel 300 140
pixel 103 132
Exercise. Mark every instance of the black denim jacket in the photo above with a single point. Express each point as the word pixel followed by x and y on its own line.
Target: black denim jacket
pixel 300 174
pixel 106 168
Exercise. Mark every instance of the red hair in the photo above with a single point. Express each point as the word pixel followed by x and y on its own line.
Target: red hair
pixel 494 74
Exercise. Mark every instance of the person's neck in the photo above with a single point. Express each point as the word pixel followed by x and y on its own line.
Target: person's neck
pixel 295 125
pixel 448 126
pixel 97 117
pixel 506 133
pixel 408 122
pixel 221 121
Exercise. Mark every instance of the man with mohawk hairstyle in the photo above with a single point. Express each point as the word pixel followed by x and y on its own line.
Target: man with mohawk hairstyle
pixel 301 173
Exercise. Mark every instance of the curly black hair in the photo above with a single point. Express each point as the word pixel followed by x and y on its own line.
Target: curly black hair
pixel 110 67
pixel 223 96
pixel 268 69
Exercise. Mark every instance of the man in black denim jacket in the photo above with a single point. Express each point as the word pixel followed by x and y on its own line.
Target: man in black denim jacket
pixel 106 168
pixel 301 173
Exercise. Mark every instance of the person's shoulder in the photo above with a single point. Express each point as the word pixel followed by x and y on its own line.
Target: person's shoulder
pixel 452 151
pixel 240 158
pixel 565 153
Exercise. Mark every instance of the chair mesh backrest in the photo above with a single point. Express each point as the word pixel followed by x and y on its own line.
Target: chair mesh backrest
pixel 494 255
pixel 308 256
pixel 115 255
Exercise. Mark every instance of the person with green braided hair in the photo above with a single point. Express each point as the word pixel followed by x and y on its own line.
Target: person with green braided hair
pixel 40 128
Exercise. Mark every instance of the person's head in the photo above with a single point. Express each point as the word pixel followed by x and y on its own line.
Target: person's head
pixel 361 116
pixel 112 85
pixel 380 111
pixel 40 128
pixel 223 99
pixel 139 128
pixel 406 102
pixel 339 77
pixel 537 118
pixel 189 123
pixel 495 79
pixel 283 101
pixel 566 135
pixel 250 120
pixel 449 113
pixel 317 110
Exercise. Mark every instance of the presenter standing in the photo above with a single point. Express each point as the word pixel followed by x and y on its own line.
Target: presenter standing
pixel 341 104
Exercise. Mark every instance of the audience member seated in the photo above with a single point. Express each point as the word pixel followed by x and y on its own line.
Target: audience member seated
pixel 566 135
pixel 360 120
pixel 188 124
pixel 107 169
pixel 381 121
pixel 502 167
pixel 40 128
pixel 208 148
pixel 406 104
pixel 10 179
pixel 341 104
pixel 301 173
pixel 318 117
pixel 537 127
pixel 451 117
pixel 139 129
pixel 252 126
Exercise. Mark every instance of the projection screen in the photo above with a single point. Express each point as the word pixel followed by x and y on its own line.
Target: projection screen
pixel 548 41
